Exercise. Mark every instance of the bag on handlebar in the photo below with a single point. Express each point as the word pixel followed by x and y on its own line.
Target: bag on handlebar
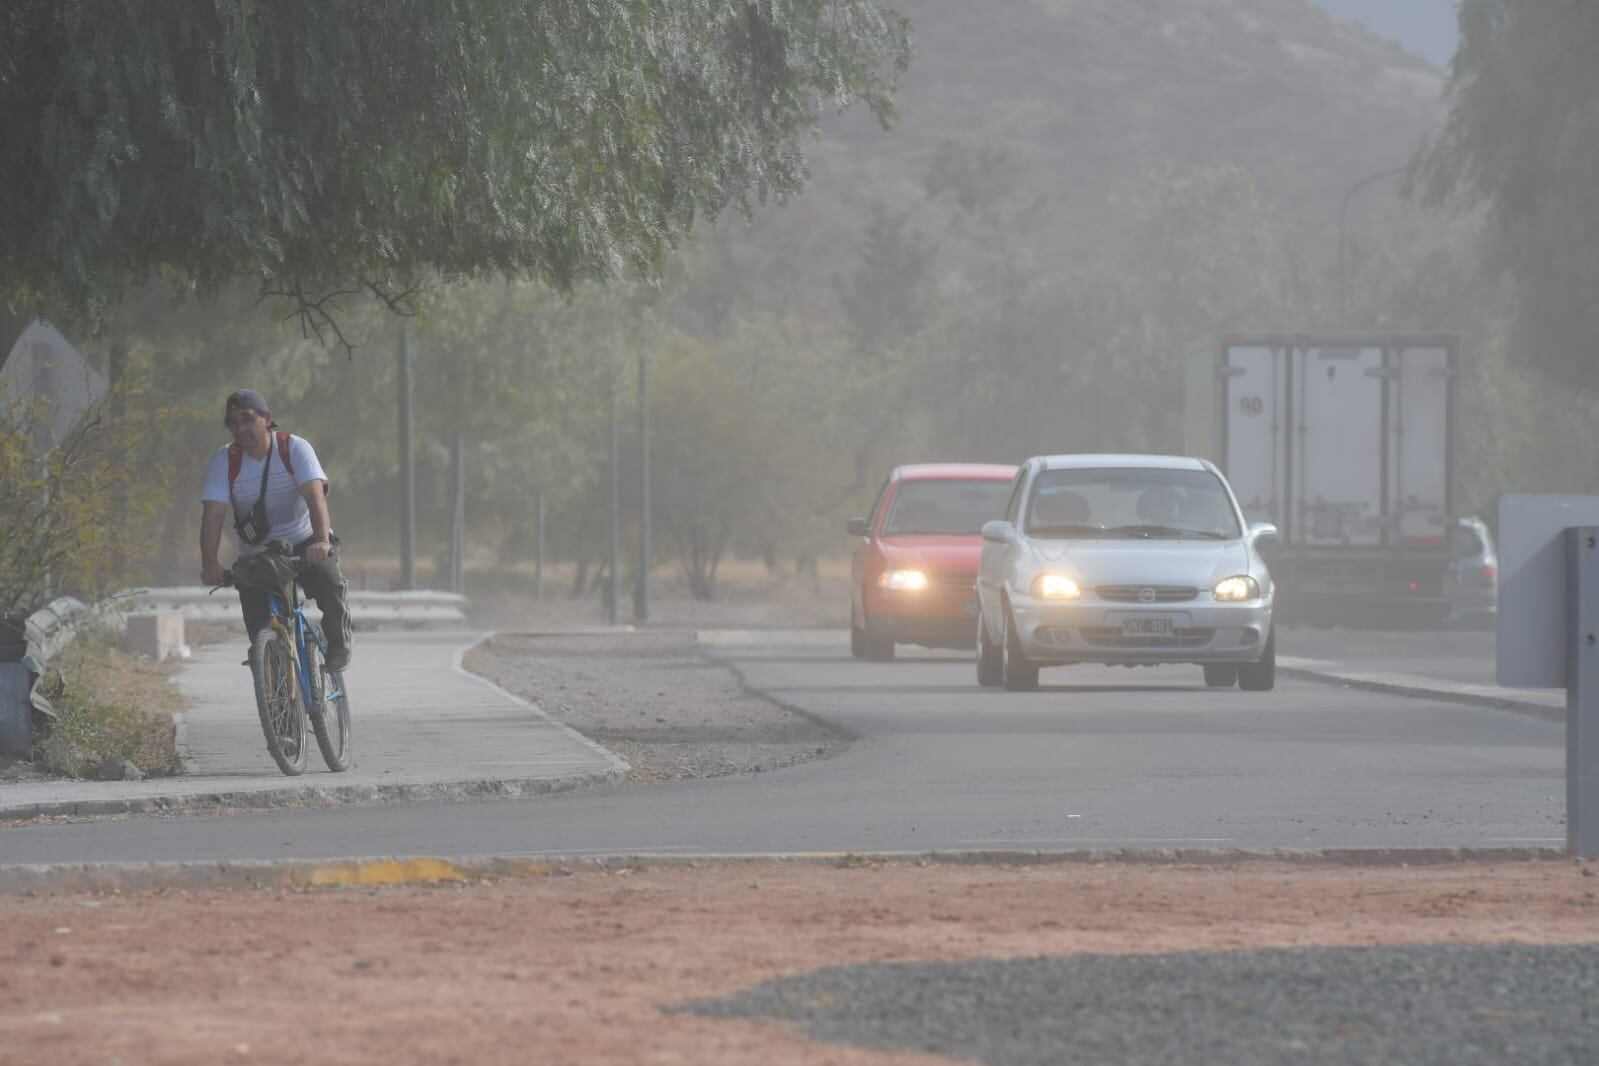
pixel 269 570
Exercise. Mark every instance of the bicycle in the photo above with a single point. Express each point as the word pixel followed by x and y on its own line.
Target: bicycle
pixel 287 658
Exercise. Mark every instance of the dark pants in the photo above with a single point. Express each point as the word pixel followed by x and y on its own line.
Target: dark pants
pixel 324 583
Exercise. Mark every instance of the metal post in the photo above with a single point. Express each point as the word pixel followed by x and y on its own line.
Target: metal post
pixel 538 550
pixel 407 468
pixel 641 582
pixel 1582 691
pixel 16 711
pixel 613 579
pixel 458 517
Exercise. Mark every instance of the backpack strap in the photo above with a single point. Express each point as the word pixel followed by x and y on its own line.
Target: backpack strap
pixel 283 452
pixel 236 459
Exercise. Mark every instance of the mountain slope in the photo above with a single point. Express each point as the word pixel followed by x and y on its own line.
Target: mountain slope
pixel 1088 94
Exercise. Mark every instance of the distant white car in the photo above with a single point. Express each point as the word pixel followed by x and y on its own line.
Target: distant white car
pixel 1137 560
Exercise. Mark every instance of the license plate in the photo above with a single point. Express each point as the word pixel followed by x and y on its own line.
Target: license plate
pixel 1147 627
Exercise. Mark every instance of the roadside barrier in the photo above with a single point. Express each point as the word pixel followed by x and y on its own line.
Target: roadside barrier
pixel 53 627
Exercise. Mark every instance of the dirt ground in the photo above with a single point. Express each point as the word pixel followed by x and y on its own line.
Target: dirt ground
pixel 655 699
pixel 586 965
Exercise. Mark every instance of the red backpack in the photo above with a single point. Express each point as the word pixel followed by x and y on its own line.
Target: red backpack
pixel 236 459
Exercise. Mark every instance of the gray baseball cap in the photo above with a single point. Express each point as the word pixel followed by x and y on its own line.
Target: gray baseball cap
pixel 247 400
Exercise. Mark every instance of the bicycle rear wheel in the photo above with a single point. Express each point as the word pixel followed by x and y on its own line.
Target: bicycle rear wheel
pixel 330 716
pixel 277 698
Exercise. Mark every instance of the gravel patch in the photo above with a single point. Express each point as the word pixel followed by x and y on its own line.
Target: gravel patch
pixel 656 700
pixel 1449 1005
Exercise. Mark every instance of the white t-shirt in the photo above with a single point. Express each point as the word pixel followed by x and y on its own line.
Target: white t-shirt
pixel 287 513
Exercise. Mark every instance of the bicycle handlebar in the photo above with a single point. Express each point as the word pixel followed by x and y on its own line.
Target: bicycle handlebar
pixel 227 575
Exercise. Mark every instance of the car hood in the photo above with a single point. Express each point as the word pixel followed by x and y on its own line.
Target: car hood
pixel 1145 562
pixel 940 554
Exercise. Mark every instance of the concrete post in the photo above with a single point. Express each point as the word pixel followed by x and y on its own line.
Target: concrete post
pixel 1582 691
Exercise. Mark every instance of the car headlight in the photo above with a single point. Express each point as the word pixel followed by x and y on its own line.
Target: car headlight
pixel 1055 587
pixel 1236 589
pixel 902 580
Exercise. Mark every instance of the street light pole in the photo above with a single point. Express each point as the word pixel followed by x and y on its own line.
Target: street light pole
pixel 1343 238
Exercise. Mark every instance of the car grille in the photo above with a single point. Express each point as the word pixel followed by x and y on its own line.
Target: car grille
pixel 1108 637
pixel 964 582
pixel 1133 593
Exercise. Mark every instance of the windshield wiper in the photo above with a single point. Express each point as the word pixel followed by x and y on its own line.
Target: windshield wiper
pixel 1067 529
pixel 1169 531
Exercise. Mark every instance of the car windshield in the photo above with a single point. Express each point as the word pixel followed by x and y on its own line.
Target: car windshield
pixel 1131 502
pixel 945 506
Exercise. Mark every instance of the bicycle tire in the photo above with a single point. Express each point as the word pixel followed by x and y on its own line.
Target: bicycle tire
pixel 331 724
pixel 277 700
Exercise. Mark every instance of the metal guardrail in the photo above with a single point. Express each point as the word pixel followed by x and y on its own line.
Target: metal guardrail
pixel 46 632
pixel 53 627
pixel 50 630
pixel 197 602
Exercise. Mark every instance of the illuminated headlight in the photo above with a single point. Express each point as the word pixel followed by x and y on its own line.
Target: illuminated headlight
pixel 902 580
pixel 1236 589
pixel 1055 587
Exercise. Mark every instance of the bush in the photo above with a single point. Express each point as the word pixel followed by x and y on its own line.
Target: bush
pixel 109 705
pixel 72 510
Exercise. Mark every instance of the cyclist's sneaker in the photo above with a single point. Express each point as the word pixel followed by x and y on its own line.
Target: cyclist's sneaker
pixel 338 659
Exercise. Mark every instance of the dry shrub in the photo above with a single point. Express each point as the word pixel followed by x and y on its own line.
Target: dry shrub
pixel 110 705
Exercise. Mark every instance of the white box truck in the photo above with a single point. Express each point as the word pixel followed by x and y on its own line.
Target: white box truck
pixel 1345 441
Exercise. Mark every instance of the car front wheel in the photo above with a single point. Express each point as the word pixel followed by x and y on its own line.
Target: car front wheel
pixel 1018 674
pixel 1261 676
pixel 878 646
pixel 857 637
pixel 990 661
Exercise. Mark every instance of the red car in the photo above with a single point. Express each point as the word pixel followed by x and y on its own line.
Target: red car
pixel 915 567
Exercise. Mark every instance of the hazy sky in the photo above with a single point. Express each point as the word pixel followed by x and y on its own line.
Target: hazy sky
pixel 1426 27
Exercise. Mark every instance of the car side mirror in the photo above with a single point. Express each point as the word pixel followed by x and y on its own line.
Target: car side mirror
pixel 998 531
pixel 857 527
pixel 1264 533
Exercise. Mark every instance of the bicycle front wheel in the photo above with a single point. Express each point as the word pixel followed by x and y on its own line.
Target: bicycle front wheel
pixel 277 698
pixel 330 717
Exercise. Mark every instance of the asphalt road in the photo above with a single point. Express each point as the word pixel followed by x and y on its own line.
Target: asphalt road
pixel 1098 758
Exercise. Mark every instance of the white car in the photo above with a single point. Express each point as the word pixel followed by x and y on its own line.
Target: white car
pixel 1137 560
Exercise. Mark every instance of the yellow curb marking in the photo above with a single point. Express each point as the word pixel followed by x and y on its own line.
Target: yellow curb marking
pixel 387 872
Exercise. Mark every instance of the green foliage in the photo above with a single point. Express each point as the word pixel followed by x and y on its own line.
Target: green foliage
pixel 1523 136
pixel 108 705
pixel 745 445
pixel 75 512
pixel 319 148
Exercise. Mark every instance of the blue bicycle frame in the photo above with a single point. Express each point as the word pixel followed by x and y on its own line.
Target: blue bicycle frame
pixel 301 629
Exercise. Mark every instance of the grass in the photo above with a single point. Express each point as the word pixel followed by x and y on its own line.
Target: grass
pixel 109 705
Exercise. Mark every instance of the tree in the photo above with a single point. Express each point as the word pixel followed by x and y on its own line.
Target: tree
pixel 1523 137
pixel 327 149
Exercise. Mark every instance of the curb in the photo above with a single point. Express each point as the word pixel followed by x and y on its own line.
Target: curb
pixel 287 797
pixel 416 870
pixel 1469 694
pixel 314 796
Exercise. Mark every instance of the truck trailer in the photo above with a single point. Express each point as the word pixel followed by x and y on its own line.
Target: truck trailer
pixel 1345 441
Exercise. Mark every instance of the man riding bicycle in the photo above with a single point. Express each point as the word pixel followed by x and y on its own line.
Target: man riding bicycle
pixel 276 489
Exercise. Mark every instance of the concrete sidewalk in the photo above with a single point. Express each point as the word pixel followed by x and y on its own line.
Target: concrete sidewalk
pixel 423 728
pixel 1540 703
